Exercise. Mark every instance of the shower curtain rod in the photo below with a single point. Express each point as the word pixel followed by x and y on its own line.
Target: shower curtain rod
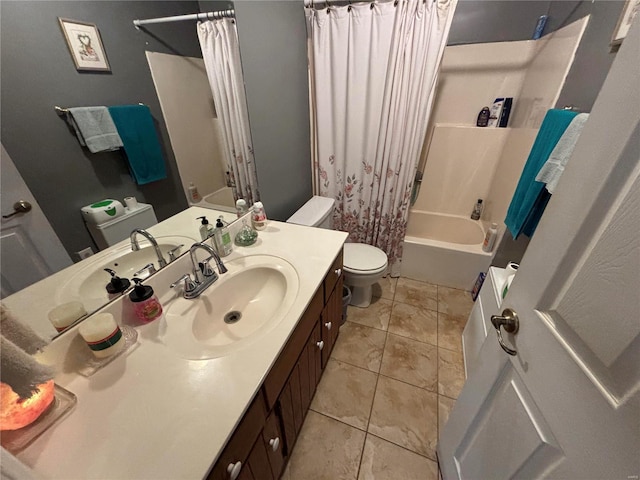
pixel 194 16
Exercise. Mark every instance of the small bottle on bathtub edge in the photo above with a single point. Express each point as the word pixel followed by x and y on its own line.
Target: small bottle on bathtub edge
pixel 477 210
pixel 490 238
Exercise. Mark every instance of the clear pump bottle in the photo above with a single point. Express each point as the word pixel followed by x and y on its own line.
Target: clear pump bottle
pixel 477 210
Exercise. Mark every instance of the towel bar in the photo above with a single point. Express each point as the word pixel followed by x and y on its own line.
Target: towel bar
pixel 62 111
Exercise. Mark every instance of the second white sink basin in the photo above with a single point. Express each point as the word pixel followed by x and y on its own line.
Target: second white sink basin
pixel 241 306
pixel 89 284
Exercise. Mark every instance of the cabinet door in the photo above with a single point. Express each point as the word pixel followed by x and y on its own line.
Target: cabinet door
pixel 258 462
pixel 239 446
pixel 273 442
pixel 331 319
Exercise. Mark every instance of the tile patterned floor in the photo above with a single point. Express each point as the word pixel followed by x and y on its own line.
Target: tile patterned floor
pixel 388 388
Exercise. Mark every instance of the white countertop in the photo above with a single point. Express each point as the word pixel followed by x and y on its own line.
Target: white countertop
pixel 152 414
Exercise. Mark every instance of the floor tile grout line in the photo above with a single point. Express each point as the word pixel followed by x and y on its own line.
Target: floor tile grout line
pixel 336 420
pixel 401 446
pixel 373 401
pixel 413 338
pixel 407 383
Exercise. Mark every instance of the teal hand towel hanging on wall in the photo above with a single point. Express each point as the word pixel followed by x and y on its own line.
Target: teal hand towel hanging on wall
pixel 138 132
pixel 530 198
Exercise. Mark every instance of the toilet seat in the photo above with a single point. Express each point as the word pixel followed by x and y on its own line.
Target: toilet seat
pixel 363 259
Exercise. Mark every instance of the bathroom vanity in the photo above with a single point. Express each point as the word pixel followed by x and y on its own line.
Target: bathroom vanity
pixel 154 413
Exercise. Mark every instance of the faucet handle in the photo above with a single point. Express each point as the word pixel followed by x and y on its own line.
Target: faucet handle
pixel 189 285
pixel 205 268
pixel 150 267
pixel 172 252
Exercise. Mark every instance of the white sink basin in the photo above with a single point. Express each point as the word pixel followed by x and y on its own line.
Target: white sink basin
pixel 239 308
pixel 89 285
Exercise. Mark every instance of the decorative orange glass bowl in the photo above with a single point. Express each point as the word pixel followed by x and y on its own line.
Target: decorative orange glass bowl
pixel 16 413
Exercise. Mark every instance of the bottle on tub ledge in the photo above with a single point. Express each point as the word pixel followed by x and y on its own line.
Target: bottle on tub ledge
pixel 477 210
pixel 490 238
pixel 194 195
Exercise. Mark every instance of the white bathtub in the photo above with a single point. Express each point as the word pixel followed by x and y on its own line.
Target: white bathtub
pixel 220 198
pixel 444 249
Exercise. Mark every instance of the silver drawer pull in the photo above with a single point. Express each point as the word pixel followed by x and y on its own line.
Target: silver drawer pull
pixel 338 271
pixel 328 325
pixel 320 344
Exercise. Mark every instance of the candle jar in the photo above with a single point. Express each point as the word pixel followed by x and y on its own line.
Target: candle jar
pixel 102 334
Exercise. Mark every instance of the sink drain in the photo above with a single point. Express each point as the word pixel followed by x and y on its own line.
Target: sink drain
pixel 232 317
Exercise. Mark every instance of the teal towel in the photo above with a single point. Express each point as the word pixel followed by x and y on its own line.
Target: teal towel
pixel 528 202
pixel 140 139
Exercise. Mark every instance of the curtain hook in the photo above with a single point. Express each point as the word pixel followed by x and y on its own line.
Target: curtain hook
pixel 395 4
pixel 372 5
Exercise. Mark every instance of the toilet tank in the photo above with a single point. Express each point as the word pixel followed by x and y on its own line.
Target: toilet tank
pixel 111 232
pixel 315 213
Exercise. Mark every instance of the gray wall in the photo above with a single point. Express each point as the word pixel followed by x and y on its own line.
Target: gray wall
pixel 274 61
pixel 594 56
pixel 480 21
pixel 38 73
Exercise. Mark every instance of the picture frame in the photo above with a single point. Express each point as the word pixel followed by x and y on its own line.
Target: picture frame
pixel 629 11
pixel 85 45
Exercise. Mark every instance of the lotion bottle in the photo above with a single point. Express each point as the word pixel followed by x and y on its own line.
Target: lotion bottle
pixel 490 238
pixel 194 196
pixel 259 217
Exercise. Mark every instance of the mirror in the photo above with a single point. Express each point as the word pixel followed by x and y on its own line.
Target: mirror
pixel 155 66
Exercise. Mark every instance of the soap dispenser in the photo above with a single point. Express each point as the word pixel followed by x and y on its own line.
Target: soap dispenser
pixel 206 229
pixel 117 285
pixel 222 239
pixel 145 303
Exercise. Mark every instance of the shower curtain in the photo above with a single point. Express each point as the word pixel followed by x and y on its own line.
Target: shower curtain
pixel 373 71
pixel 221 55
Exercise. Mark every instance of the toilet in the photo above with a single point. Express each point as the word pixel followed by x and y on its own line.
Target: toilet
pixel 364 264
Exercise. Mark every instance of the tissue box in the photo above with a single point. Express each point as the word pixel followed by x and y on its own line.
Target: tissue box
pixel 102 211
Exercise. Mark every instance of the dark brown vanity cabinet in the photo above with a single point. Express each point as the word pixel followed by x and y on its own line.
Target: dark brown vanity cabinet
pixel 262 443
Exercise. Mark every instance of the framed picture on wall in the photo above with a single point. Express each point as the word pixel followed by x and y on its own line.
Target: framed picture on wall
pixel 85 45
pixel 630 10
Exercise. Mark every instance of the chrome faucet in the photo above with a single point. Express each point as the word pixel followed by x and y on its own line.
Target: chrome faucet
pixel 135 246
pixel 203 274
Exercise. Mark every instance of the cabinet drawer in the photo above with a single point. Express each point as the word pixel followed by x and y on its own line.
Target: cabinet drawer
pixel 334 273
pixel 291 352
pixel 242 440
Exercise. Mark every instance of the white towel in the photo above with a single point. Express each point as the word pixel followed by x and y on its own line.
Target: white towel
pixel 553 168
pixel 94 128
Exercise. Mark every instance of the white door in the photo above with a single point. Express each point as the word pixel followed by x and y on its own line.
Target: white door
pixel 567 405
pixel 29 248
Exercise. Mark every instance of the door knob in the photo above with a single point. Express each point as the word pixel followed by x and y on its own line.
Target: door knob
pixel 508 320
pixel 19 207
pixel 328 325
pixel 320 344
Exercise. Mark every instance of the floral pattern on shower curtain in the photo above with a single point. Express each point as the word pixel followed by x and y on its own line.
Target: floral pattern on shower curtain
pixel 373 72
pixel 221 55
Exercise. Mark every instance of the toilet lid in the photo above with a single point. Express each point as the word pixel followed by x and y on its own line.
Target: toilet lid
pixel 360 257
